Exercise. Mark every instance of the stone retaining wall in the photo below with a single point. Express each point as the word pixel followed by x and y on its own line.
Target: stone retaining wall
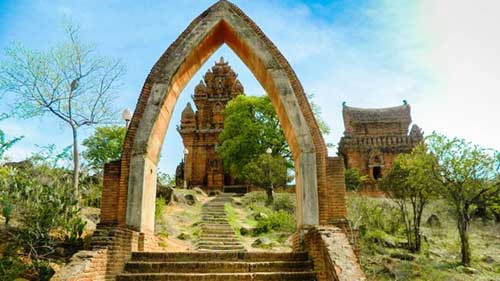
pixel 111 247
pixel 334 259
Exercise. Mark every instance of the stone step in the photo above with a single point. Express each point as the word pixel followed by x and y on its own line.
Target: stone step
pixel 217 227
pixel 211 243
pixel 214 222
pixel 193 256
pixel 221 247
pixel 218 267
pixel 218 231
pixel 220 250
pixel 219 239
pixel 209 237
pixel 261 276
pixel 208 213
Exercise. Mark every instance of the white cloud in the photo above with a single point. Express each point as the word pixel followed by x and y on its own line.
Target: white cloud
pixel 465 59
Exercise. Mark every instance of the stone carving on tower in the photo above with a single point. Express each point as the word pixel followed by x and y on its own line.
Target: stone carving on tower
pixel 200 129
pixel 374 137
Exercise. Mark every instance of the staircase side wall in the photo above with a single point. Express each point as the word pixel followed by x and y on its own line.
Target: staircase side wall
pixel 332 254
pixel 111 247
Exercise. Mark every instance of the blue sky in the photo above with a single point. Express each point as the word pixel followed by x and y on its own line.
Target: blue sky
pixel 441 56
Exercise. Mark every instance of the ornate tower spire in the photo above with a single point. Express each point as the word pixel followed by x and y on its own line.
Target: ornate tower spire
pixel 200 129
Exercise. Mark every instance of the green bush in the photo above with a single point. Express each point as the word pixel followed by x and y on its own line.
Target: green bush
pixel 42 201
pixel 372 213
pixel 11 267
pixel 45 208
pixel 279 216
pixel 284 202
pixel 160 209
pixel 354 180
pixel 91 194
pixel 279 221
pixel 254 198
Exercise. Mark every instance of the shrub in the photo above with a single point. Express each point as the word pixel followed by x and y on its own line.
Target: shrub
pixel 45 209
pixel 354 179
pixel 7 207
pixel 41 199
pixel 160 208
pixel 91 189
pixel 256 197
pixel 280 221
pixel 370 213
pixel 11 267
pixel 284 202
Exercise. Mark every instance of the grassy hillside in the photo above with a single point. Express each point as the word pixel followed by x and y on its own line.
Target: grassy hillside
pixel 383 255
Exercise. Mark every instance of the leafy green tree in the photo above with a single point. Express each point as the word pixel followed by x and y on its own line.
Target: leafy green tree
pixel 71 82
pixel 251 127
pixel 468 174
pixel 103 146
pixel 353 179
pixel 409 185
pixel 266 171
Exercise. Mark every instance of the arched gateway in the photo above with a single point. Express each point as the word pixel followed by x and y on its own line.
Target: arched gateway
pixel 130 185
pixel 128 199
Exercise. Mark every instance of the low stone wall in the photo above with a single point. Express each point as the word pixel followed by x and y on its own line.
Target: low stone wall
pixel 111 247
pixel 334 258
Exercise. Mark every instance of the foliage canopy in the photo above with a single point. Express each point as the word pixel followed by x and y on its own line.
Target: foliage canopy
pixel 103 146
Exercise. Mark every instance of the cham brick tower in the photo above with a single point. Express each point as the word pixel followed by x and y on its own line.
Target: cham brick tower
pixel 200 129
pixel 373 138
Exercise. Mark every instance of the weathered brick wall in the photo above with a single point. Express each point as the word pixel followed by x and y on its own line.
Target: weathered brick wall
pixel 110 192
pixel 336 192
pixel 332 254
pixel 111 247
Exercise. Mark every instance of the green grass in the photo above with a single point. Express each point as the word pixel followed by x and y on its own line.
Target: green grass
pixel 233 218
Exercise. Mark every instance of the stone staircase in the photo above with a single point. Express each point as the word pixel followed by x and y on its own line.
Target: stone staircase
pixel 218 266
pixel 217 234
pixel 220 257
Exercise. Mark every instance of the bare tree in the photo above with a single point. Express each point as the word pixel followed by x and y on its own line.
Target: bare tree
pixel 71 82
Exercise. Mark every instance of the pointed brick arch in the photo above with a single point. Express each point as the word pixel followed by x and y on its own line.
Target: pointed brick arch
pixel 320 191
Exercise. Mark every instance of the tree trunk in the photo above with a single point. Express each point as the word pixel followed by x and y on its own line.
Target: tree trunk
pixel 418 210
pixel 269 191
pixel 404 217
pixel 418 237
pixel 463 230
pixel 76 163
